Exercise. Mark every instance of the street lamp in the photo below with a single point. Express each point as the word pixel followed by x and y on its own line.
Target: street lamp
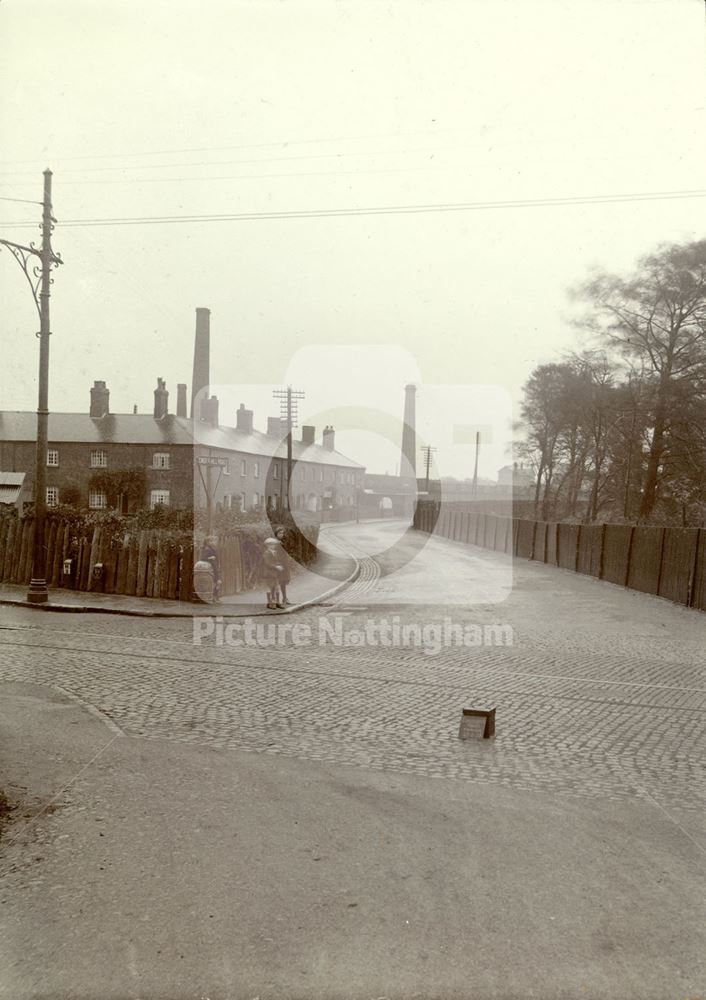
pixel 39 278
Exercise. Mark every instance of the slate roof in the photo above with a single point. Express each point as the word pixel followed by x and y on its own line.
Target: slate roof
pixel 10 486
pixel 143 428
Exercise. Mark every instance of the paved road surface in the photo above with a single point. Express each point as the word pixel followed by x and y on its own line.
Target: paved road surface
pixel 271 813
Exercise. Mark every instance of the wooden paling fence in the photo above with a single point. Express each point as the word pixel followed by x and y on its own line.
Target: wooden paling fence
pixel 148 563
pixel 667 561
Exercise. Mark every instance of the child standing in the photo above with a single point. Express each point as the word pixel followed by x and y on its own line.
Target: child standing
pixel 273 569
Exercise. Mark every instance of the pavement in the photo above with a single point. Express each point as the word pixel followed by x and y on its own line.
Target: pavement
pixel 309 585
pixel 283 820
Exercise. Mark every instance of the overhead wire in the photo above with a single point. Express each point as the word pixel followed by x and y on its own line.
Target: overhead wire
pixel 372 210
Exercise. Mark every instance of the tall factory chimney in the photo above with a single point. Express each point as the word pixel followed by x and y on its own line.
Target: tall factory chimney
pixel 408 466
pixel 202 349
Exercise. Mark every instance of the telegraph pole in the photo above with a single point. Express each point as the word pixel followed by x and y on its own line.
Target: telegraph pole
pixel 37 593
pixel 40 280
pixel 289 399
pixel 475 467
pixel 427 451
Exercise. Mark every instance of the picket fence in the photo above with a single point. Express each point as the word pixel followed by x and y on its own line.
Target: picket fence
pixel 667 561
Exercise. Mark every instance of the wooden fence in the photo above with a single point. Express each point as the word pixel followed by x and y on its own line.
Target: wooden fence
pixel 148 563
pixel 667 561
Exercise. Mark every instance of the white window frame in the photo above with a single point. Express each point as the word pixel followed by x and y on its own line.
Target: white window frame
pixel 243 467
pixel 156 498
pixel 52 496
pixel 275 470
pixel 99 459
pixel 97 500
pixel 53 458
pixel 256 471
pixel 161 460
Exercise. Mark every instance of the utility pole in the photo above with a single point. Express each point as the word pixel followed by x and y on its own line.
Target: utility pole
pixel 289 401
pixel 40 280
pixel 475 467
pixel 427 451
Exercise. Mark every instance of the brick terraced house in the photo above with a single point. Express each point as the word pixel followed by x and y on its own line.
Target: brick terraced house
pixel 101 459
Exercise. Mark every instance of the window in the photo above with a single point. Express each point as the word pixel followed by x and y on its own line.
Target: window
pixel 243 467
pixel 97 500
pixel 256 499
pixel 160 460
pixel 240 501
pixel 52 457
pixel 52 496
pixel 275 470
pixel 225 469
pixel 99 459
pixel 158 497
pixel 321 475
pixel 256 473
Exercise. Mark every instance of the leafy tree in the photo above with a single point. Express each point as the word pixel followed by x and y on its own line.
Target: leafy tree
pixel 656 321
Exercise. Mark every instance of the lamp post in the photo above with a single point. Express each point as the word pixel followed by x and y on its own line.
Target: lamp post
pixel 39 278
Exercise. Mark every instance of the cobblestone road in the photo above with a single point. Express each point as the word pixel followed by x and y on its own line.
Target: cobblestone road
pixel 602 692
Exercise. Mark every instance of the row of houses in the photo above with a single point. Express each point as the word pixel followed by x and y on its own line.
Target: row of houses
pixel 101 459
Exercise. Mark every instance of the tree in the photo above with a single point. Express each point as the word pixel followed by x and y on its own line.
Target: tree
pixel 656 319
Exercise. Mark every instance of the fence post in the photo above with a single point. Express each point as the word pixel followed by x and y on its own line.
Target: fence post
pixel 578 549
pixel 661 560
pixel 601 557
pixel 691 587
pixel 628 561
pixel 534 539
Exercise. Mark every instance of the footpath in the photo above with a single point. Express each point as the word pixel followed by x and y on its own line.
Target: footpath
pixel 310 585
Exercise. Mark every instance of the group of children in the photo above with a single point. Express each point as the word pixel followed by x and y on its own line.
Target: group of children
pixel 276 571
pixel 276 562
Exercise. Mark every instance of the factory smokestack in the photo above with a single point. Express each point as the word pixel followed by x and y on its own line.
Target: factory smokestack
pixel 202 349
pixel 408 465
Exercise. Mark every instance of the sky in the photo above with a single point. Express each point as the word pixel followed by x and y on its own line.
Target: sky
pixel 506 147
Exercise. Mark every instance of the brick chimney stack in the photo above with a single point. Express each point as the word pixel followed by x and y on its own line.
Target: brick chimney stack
pixel 328 438
pixel 181 399
pixel 308 434
pixel 275 427
pixel 100 397
pixel 244 419
pixel 209 410
pixel 161 400
pixel 202 353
